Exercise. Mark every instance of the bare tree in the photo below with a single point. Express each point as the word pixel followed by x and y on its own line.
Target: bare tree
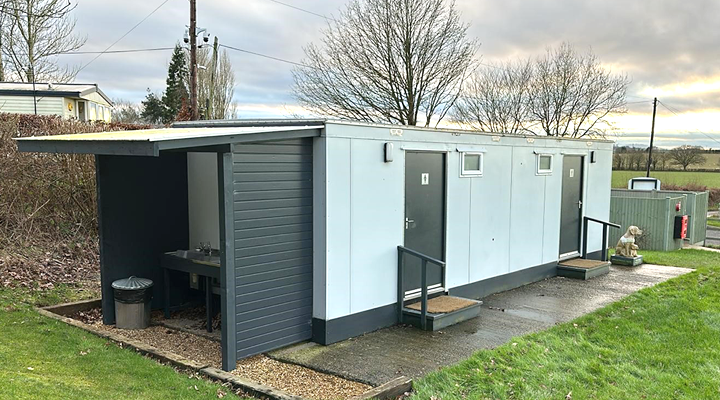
pixel 126 112
pixel 393 61
pixel 572 94
pixel 563 93
pixel 222 85
pixel 497 98
pixel 36 32
pixel 618 161
pixel 687 155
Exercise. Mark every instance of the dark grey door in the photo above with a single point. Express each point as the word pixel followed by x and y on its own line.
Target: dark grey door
pixel 571 209
pixel 424 215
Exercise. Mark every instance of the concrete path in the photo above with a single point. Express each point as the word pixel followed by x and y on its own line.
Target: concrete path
pixel 380 356
pixel 712 236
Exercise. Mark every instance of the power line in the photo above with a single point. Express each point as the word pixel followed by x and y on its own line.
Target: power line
pixel 304 10
pixel 266 56
pixel 117 51
pixel 677 114
pixel 123 36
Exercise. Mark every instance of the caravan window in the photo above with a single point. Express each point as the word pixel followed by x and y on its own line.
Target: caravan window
pixel 544 164
pixel 472 164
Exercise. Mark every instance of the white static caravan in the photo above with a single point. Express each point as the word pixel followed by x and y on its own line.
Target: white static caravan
pixel 311 214
pixel 500 210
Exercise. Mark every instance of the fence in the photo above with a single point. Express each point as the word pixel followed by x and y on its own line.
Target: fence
pixel 654 212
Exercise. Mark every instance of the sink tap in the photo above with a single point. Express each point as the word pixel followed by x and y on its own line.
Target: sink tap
pixel 206 248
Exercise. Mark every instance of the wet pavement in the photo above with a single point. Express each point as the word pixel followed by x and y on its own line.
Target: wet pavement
pixel 380 356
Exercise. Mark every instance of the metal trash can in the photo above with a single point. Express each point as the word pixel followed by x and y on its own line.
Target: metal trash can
pixel 132 302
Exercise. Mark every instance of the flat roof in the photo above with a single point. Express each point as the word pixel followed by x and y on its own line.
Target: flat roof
pixel 48 89
pixel 149 142
pixel 205 134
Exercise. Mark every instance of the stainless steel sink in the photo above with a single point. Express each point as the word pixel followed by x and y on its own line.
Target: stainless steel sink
pixel 198 256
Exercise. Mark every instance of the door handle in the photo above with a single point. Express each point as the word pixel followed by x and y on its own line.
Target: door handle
pixel 408 221
pixel 579 204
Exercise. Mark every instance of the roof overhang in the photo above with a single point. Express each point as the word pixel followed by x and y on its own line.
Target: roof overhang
pixel 151 142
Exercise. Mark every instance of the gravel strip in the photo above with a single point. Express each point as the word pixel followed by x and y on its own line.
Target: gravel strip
pixel 297 380
pixel 291 378
pixel 196 348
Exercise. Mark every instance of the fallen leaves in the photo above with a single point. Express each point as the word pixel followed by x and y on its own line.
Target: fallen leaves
pixel 62 264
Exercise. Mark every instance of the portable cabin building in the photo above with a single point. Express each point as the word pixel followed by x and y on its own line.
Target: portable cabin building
pixel 308 216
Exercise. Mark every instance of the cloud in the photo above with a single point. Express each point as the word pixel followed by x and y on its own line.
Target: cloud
pixel 669 47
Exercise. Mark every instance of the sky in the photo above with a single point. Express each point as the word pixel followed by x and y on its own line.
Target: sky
pixel 669 49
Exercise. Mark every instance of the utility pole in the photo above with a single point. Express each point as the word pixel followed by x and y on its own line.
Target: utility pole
pixel 212 80
pixel 652 137
pixel 193 62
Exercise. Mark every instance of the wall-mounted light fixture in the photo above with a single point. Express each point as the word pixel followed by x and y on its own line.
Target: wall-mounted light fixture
pixel 388 152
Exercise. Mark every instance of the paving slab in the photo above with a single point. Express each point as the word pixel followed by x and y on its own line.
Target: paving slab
pixel 383 355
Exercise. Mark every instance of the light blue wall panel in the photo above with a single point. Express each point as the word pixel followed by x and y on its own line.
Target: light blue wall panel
pixel 377 214
pixel 597 195
pixel 490 217
pixel 338 228
pixel 527 211
pixel 319 228
pixel 457 252
pixel 551 216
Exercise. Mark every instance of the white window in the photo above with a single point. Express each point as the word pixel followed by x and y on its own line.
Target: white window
pixel 472 164
pixel 544 164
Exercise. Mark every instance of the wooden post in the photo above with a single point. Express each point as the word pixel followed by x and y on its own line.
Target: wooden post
pixel 209 112
pixel 193 62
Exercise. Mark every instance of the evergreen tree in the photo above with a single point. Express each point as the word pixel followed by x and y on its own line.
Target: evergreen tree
pixel 154 111
pixel 176 93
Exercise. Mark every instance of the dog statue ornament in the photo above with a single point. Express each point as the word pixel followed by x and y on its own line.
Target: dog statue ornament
pixel 626 249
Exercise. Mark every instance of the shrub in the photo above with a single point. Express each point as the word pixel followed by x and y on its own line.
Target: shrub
pixel 47 200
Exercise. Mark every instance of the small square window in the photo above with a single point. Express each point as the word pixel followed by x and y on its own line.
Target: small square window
pixel 544 164
pixel 472 164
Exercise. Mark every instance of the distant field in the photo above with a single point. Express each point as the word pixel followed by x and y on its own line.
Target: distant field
pixel 712 161
pixel 709 179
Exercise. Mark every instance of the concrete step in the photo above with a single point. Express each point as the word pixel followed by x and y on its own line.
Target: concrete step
pixel 579 268
pixel 443 311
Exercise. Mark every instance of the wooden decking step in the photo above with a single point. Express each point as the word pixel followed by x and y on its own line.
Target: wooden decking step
pixel 582 263
pixel 443 304
pixel 580 268
pixel 442 312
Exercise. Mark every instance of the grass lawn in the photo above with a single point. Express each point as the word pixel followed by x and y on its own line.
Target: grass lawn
pixel 709 179
pixel 714 222
pixel 659 343
pixel 41 358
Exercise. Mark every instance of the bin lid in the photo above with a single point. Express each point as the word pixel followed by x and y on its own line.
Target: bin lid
pixel 132 283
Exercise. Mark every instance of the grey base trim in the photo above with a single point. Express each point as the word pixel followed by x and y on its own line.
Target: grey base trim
pixel 331 331
pixel 486 287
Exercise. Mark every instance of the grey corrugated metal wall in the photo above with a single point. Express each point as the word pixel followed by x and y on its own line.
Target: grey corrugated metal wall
pixel 273 244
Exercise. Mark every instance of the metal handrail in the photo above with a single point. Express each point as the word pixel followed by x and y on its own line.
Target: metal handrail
pixel 605 225
pixel 402 250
